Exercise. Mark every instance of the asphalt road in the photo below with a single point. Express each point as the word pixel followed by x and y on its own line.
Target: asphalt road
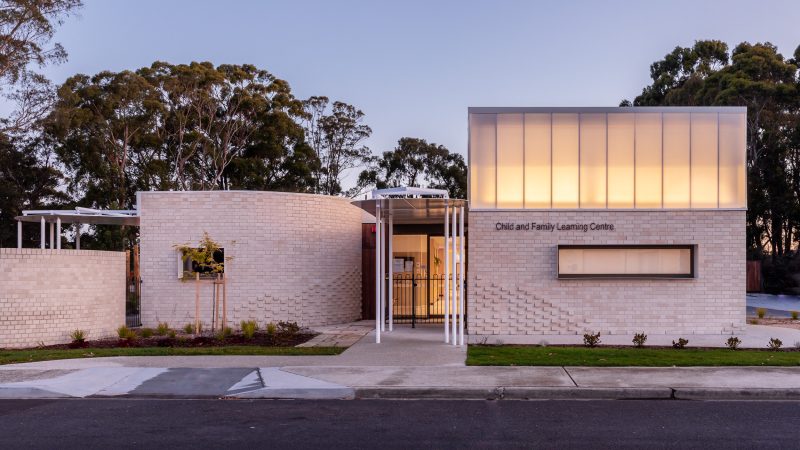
pixel 124 423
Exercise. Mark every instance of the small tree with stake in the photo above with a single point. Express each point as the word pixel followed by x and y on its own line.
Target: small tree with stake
pixel 203 260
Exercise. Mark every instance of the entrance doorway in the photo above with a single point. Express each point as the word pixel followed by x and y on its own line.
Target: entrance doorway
pixel 425 292
pixel 418 268
pixel 418 272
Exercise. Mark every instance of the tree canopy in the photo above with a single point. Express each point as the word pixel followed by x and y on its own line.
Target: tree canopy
pixel 768 84
pixel 416 163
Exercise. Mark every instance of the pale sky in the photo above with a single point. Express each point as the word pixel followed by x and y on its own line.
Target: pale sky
pixel 414 67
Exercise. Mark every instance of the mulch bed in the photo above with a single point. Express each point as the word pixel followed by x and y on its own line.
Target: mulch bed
pixel 260 340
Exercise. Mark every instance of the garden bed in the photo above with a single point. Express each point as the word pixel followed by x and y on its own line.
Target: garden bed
pixel 189 341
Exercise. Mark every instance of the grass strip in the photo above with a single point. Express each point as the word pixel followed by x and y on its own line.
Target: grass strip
pixel 524 355
pixel 32 355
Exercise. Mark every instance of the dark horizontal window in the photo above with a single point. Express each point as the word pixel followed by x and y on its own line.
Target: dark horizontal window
pixel 626 261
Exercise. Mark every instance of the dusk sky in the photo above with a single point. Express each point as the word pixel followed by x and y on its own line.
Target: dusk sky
pixel 414 67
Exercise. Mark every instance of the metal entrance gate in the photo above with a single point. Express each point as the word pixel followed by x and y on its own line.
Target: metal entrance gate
pixel 418 298
pixel 133 289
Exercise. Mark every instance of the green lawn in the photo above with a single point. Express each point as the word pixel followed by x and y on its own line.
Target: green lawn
pixel 31 355
pixel 523 355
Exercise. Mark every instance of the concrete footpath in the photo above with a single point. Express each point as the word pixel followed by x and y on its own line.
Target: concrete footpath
pixel 393 382
pixel 409 364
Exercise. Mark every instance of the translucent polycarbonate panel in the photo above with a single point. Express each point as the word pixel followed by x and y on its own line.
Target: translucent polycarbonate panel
pixel 648 160
pixel 732 162
pixel 677 160
pixel 593 161
pixel 510 161
pixel 620 160
pixel 704 160
pixel 537 160
pixel 565 161
pixel 625 262
pixel 482 168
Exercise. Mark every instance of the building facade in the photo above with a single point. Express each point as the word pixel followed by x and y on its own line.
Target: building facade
pixel 288 257
pixel 610 220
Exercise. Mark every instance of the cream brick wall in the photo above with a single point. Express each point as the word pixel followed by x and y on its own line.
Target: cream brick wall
pixel 46 294
pixel 513 288
pixel 294 257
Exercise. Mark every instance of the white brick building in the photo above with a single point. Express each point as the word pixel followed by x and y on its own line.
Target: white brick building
pixel 612 220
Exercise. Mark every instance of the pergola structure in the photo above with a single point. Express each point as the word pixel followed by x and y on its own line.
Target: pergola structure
pixel 409 205
pixel 77 216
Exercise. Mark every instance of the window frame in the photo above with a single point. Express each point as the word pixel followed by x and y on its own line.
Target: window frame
pixel 186 268
pixel 692 263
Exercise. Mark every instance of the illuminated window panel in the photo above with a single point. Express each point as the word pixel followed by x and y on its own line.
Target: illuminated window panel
pixel 510 161
pixel 732 162
pixel 677 160
pixel 593 161
pixel 704 160
pixel 648 160
pixel 537 161
pixel 482 166
pixel 620 160
pixel 565 161
pixel 625 261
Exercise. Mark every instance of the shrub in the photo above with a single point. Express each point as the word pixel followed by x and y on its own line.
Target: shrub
pixel 162 329
pixel 171 334
pixel 794 315
pixel 78 336
pixel 591 340
pixel 224 333
pixel 774 344
pixel 753 321
pixel 288 328
pixel 146 332
pixel 680 344
pixel 249 328
pixel 126 333
pixel 733 342
pixel 761 312
pixel 188 328
pixel 639 339
pixel 271 328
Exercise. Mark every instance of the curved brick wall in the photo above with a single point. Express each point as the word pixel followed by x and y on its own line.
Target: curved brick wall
pixel 46 294
pixel 294 257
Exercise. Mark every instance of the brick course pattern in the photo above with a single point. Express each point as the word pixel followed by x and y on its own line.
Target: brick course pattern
pixel 513 289
pixel 47 294
pixel 294 257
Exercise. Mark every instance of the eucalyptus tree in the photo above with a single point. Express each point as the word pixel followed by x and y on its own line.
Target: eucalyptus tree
pixel 759 77
pixel 103 130
pixel 29 179
pixel 416 163
pixel 336 136
pixel 231 126
pixel 26 29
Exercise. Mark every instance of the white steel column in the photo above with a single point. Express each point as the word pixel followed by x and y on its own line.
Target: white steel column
pixel 19 234
pixel 377 272
pixel 446 273
pixel 58 233
pixel 77 236
pixel 52 235
pixel 391 273
pixel 42 235
pixel 383 275
pixel 453 288
pixel 461 277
